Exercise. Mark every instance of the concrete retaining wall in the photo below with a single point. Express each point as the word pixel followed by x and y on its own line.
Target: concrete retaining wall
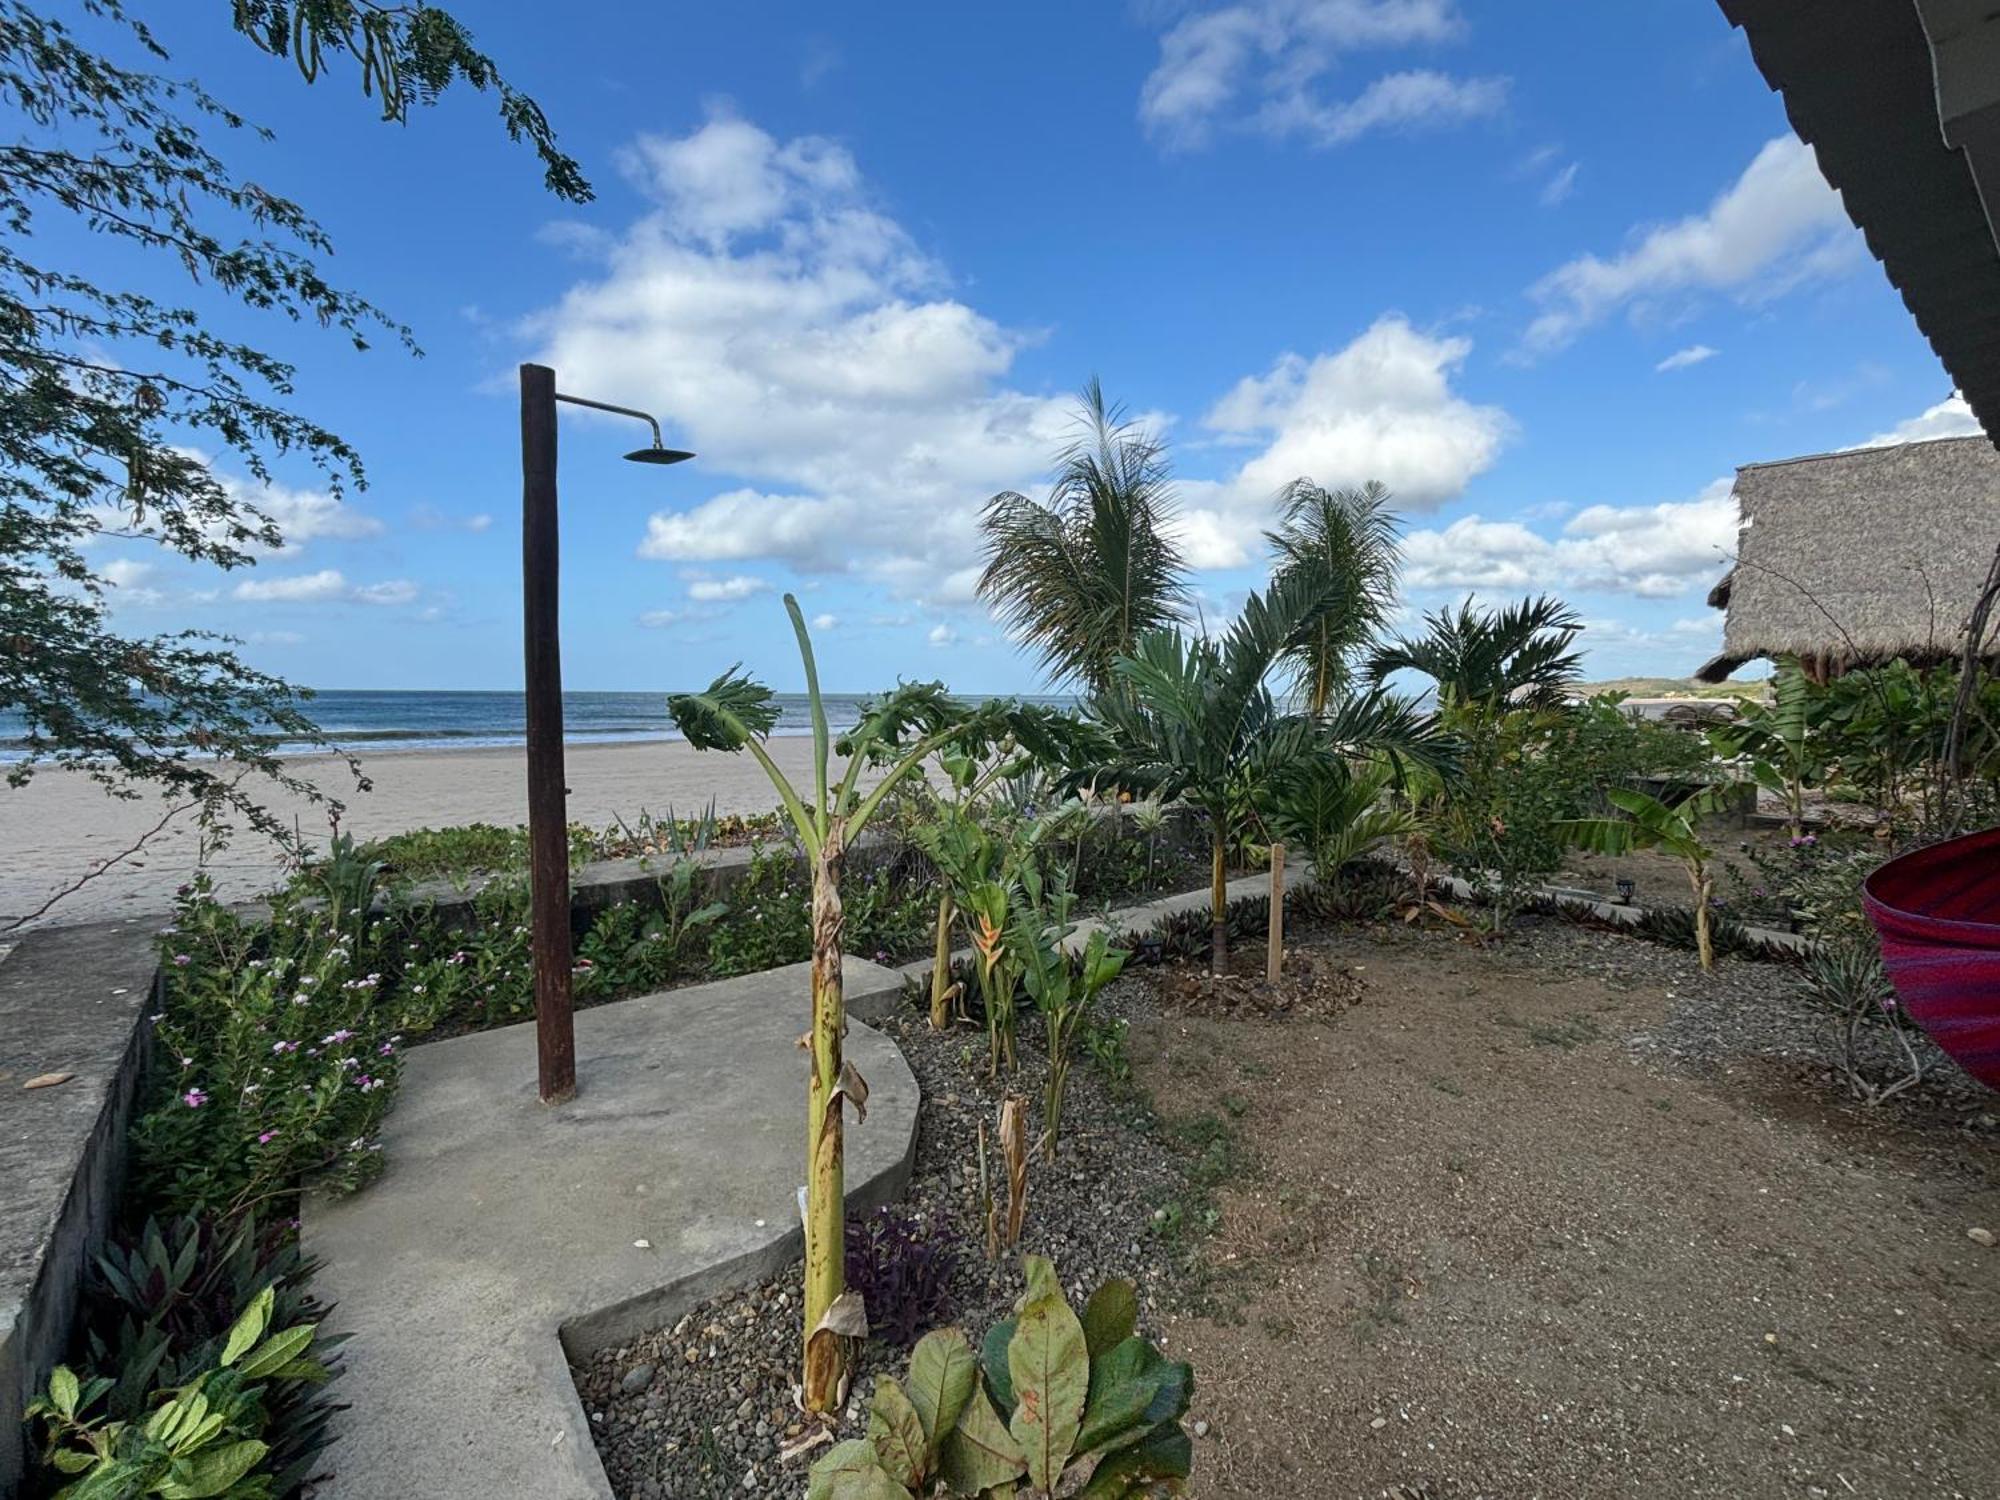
pixel 71 1001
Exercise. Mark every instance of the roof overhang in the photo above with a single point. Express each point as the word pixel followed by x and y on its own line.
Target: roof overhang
pixel 1900 101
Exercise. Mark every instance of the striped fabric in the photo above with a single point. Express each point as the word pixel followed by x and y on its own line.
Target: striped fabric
pixel 1938 913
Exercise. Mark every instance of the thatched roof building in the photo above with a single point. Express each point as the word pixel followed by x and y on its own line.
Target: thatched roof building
pixel 1846 559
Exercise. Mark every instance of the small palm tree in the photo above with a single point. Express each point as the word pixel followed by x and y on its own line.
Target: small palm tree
pixel 1354 535
pixel 1334 810
pixel 1082 576
pixel 1653 824
pixel 1484 660
pixel 736 713
pixel 1198 722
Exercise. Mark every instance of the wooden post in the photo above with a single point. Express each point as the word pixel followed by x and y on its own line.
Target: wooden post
pixel 1274 955
pixel 548 797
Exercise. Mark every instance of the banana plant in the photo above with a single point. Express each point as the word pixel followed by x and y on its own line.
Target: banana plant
pixel 200 1442
pixel 736 713
pixel 1052 1404
pixel 1062 988
pixel 1778 738
pixel 1653 824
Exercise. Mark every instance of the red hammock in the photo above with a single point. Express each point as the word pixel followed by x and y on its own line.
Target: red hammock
pixel 1938 913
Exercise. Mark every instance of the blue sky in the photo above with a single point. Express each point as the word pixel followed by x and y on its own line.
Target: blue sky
pixel 1551 273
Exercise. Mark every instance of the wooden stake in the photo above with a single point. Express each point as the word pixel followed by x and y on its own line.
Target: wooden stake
pixel 1274 956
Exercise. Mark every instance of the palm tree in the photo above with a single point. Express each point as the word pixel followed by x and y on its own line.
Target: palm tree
pixel 1198 721
pixel 1082 576
pixel 736 713
pixel 1487 659
pixel 1353 534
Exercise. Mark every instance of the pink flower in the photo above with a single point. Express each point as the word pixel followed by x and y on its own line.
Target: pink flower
pixel 267 1137
pixel 181 960
pixel 194 1098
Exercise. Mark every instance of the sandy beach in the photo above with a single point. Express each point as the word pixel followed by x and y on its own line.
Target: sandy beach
pixel 59 826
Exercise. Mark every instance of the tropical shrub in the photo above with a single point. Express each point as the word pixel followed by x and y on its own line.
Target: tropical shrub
pixel 205 1438
pixel 1335 811
pixel 275 1057
pixel 1490 660
pixel 1051 1404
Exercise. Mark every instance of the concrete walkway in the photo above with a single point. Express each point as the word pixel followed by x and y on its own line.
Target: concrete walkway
pixel 502 1231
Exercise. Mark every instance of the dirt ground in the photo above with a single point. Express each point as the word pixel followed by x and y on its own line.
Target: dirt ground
pixel 1489 1241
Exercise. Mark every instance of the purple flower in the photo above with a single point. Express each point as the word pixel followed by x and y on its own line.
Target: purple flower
pixel 181 960
pixel 387 1049
pixel 342 1035
pixel 267 1137
pixel 194 1098
pixel 284 1046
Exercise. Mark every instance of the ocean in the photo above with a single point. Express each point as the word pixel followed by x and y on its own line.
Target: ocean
pixel 360 720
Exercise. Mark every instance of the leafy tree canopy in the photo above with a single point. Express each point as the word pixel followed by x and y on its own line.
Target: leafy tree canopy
pixel 117 404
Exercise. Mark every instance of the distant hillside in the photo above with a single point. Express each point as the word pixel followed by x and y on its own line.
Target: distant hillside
pixel 1673 687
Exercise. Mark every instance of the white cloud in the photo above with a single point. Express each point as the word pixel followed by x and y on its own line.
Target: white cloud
pixel 1419 99
pixel 302 515
pixel 327 586
pixel 1381 408
pixel 1258 64
pixel 800 342
pixel 1648 551
pixel 1559 187
pixel 1777 226
pixel 1951 417
pixel 427 517
pixel 301 588
pixel 825 622
pixel 942 634
pixel 726 590
pixel 390 591
pixel 803 342
pixel 1681 359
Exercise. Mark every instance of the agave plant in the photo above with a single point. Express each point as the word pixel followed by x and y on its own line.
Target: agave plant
pixel 1484 660
pixel 1082 576
pixel 1052 1404
pixel 1352 534
pixel 733 714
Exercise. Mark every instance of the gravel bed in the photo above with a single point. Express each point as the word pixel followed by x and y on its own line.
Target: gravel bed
pixel 702 1409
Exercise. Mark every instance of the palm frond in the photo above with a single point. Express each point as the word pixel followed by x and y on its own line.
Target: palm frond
pixel 1355 536
pixel 1080 577
pixel 1517 656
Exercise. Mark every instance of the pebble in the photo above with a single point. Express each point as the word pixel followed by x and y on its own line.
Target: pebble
pixel 1980 1236
pixel 636 1379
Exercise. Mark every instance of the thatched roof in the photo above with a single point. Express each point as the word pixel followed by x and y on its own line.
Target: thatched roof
pixel 1858 557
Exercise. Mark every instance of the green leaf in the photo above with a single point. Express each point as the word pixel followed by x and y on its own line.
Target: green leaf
pixel 980 1453
pixel 278 1350
pixel 1122 1387
pixel 943 1373
pixel 849 1471
pixel 898 1434
pixel 1042 1280
pixel 1110 1316
pixel 1050 1366
pixel 1163 1455
pixel 993 1359
pixel 72 1460
pixel 63 1390
pixel 215 1473
pixel 247 1329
